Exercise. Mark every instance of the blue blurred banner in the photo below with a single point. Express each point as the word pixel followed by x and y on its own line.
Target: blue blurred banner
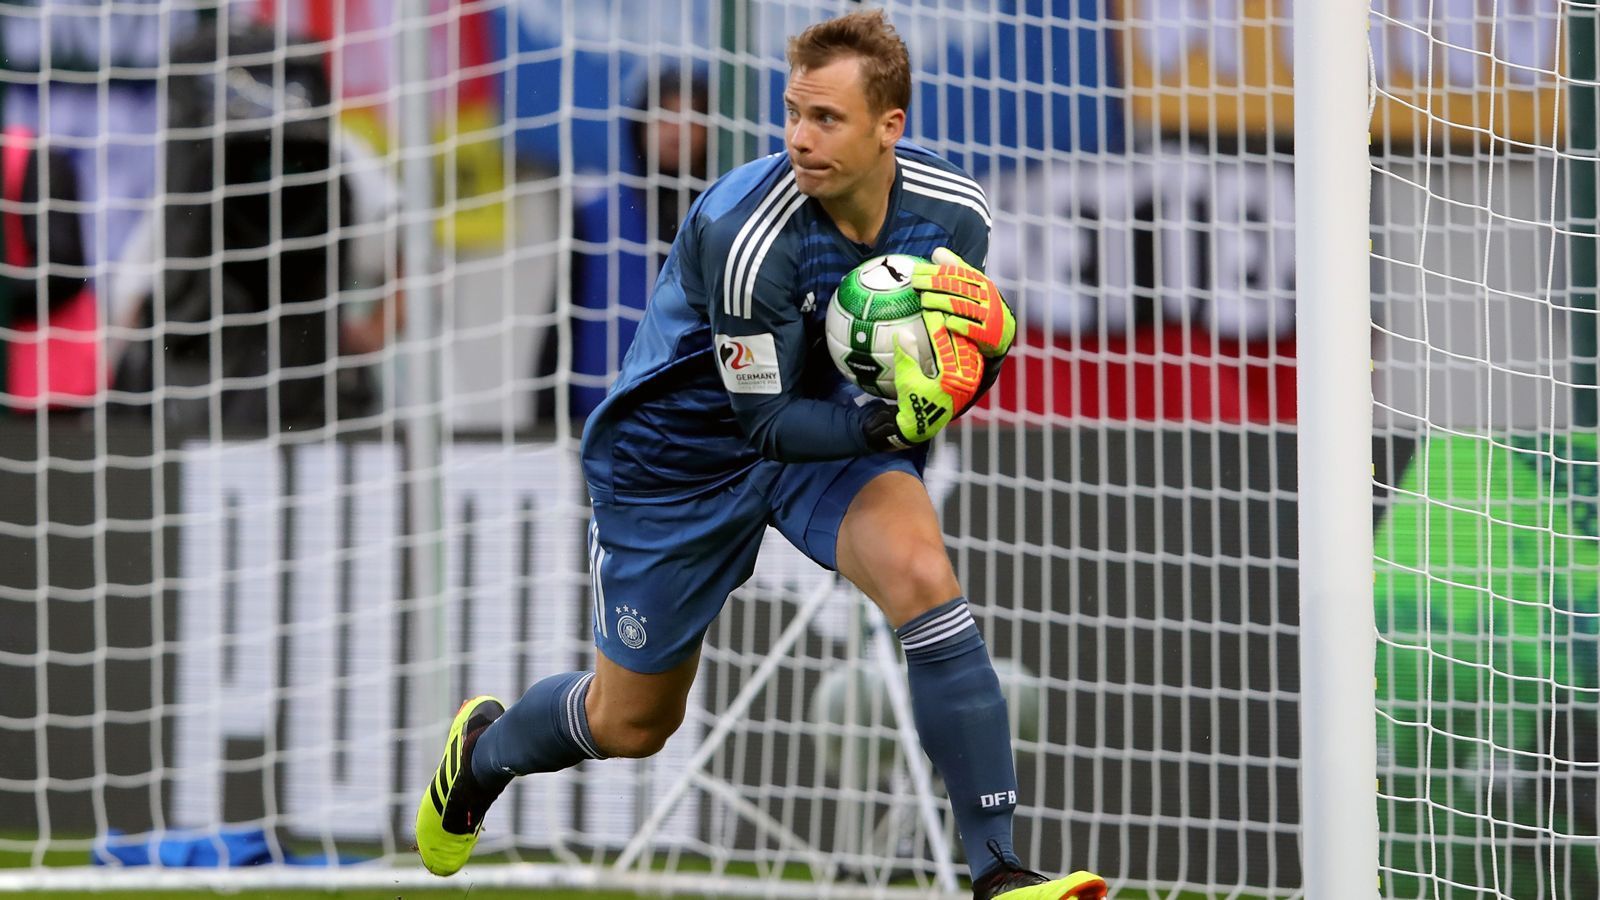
pixel 1002 75
pixel 596 56
pixel 995 78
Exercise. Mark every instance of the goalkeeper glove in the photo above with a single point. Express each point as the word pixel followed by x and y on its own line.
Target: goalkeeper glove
pixel 924 404
pixel 973 305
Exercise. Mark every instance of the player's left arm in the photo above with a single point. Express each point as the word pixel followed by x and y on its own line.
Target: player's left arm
pixel 970 301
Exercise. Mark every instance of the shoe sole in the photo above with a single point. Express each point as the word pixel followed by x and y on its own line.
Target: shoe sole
pixel 444 853
pixel 1077 886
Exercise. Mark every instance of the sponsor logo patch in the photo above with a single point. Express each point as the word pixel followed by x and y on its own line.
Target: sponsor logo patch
pixel 749 364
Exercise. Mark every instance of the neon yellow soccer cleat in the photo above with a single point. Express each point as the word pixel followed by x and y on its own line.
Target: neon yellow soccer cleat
pixel 451 813
pixel 1007 883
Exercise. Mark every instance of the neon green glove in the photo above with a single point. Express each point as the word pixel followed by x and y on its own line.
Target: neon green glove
pixel 973 305
pixel 925 405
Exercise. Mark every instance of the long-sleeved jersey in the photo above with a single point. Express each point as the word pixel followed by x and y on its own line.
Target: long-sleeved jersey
pixel 729 366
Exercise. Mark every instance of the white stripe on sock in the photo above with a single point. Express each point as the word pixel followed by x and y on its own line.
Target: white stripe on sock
pixel 942 634
pixel 575 721
pixel 940 628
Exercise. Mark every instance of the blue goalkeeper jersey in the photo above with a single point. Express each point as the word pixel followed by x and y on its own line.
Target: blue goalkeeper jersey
pixel 729 366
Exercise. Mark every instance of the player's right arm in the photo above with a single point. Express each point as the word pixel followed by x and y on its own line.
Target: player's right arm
pixel 747 269
pixel 761 353
pixel 760 345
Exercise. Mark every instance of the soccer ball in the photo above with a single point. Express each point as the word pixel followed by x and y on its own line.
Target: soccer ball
pixel 874 305
pixel 869 738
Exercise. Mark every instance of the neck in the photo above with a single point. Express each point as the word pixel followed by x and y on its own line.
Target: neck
pixel 859 213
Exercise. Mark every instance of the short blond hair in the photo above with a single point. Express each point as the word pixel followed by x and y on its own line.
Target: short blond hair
pixel 867 36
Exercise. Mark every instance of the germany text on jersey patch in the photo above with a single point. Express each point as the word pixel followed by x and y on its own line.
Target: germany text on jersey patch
pixel 749 364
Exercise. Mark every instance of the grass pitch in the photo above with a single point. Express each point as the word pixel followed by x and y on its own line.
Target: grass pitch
pixel 457 894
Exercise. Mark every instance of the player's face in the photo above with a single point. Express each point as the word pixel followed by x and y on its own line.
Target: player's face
pixel 834 139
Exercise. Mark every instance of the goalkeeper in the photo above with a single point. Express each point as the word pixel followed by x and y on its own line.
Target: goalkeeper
pixel 728 416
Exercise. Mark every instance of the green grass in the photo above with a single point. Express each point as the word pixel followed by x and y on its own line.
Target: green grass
pixel 460 893
pixel 396 894
pixel 15 859
pixel 467 892
pixel 455 894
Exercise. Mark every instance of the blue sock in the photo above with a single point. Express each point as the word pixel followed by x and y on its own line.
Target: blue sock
pixel 546 731
pixel 960 715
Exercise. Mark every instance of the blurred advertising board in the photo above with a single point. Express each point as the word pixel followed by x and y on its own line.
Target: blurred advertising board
pixel 1228 65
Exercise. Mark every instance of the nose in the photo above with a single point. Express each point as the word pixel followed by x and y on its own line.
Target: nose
pixel 800 138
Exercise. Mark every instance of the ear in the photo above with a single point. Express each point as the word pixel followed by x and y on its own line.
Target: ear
pixel 892 127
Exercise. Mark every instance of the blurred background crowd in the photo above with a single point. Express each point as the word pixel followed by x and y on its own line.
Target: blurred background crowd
pixel 223 240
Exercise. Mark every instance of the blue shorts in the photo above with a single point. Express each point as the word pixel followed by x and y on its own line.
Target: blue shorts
pixel 661 573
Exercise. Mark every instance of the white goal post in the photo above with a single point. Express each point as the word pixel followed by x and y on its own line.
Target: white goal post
pixel 1338 762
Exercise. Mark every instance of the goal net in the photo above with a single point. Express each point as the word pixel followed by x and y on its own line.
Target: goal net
pixel 1483 198
pixel 302 306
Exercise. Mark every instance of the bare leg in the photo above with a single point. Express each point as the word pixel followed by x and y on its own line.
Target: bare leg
pixel 891 547
pixel 632 714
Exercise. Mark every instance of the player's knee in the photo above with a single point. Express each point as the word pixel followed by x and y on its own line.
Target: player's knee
pixel 919 573
pixel 636 736
pixel 639 740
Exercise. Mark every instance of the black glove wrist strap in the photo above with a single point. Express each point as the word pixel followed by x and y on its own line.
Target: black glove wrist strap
pixel 883 431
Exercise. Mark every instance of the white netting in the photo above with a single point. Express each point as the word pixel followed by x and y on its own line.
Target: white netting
pixel 1483 311
pixel 321 481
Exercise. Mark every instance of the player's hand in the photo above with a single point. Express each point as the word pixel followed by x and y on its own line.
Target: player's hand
pixel 925 404
pixel 972 303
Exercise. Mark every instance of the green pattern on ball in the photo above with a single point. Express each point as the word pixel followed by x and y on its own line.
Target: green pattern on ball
pixel 884 307
pixel 860 358
pixel 852 297
pixel 880 289
pixel 869 314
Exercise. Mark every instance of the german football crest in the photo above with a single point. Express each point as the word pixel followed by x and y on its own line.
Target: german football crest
pixel 630 627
